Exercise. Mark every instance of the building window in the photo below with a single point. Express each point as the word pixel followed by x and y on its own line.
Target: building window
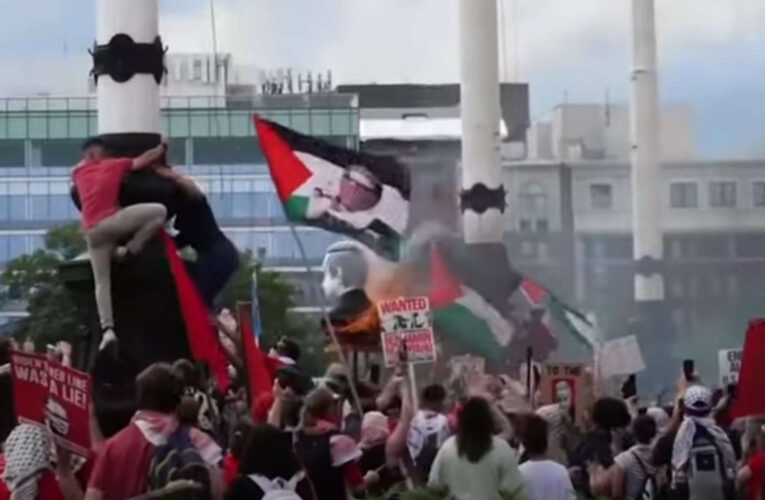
pixel 542 226
pixel 533 199
pixel 601 196
pixel 528 249
pixel 524 225
pixel 758 194
pixel 684 195
pixel 197 70
pixel 722 194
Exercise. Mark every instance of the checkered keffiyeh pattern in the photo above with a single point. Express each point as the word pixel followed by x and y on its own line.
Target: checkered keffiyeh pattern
pixel 698 398
pixel 27 455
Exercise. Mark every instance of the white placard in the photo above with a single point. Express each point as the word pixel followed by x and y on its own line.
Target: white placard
pixel 620 356
pixel 729 361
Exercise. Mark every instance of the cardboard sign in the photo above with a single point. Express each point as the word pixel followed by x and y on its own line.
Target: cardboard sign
pixel 730 365
pixel 407 319
pixel 620 356
pixel 48 393
pixel 568 384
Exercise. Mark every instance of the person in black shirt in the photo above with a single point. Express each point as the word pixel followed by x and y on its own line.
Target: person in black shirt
pixel 268 456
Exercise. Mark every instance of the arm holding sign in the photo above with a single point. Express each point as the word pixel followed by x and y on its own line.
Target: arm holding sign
pixel 67 481
pixel 396 444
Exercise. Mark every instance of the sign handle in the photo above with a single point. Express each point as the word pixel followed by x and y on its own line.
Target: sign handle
pixel 529 382
pixel 413 382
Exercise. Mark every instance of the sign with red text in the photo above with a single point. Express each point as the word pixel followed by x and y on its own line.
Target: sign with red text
pixel 48 393
pixel 407 320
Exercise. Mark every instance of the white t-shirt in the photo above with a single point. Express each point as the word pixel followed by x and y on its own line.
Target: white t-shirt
pixel 546 480
pixel 424 424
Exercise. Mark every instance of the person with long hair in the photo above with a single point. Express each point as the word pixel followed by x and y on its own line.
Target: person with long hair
pixel 474 463
pixel 269 463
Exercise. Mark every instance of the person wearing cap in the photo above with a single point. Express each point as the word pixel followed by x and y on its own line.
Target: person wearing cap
pixel 697 407
pixel 329 457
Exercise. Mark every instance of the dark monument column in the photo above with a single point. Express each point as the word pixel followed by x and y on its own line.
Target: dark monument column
pixel 128 65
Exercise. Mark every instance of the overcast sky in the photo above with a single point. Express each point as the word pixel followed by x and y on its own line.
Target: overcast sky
pixel 711 51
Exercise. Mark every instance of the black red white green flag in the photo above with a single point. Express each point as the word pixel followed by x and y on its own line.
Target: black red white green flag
pixel 359 195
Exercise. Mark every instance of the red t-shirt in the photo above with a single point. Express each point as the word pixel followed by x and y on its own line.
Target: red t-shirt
pixel 98 184
pixel 230 469
pixel 122 465
pixel 757 466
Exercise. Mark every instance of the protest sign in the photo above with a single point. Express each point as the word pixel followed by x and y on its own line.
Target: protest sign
pixel 407 319
pixel 568 384
pixel 48 393
pixel 620 356
pixel 730 365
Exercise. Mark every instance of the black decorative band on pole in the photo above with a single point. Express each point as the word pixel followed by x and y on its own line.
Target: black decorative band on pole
pixel 647 266
pixel 122 58
pixel 480 198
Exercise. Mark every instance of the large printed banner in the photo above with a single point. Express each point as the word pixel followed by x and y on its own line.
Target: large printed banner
pixel 57 396
pixel 407 319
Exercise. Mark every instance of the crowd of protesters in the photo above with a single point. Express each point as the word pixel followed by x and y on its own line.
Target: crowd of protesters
pixel 312 439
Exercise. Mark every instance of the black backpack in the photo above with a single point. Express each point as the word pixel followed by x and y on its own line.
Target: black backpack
pixel 315 453
pixel 178 459
pixel 649 490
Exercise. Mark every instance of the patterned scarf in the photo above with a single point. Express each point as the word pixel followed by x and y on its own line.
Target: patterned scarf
pixel 27 455
pixel 684 442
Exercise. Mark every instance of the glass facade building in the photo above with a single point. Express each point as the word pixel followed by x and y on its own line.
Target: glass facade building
pixel 211 138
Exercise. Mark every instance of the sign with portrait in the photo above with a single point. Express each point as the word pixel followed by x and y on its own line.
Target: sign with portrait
pixel 567 384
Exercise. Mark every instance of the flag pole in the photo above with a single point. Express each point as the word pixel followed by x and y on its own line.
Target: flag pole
pixel 529 382
pixel 330 327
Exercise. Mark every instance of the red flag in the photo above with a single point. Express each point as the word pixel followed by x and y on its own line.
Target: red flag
pixel 259 378
pixel 751 398
pixel 202 337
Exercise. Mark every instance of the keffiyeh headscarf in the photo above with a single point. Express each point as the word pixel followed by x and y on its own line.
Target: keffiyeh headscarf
pixel 698 404
pixel 27 456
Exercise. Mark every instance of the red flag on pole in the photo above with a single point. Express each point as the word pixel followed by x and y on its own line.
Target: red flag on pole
pixel 259 377
pixel 751 398
pixel 202 337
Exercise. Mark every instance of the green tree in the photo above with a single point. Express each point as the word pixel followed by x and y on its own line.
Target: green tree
pixel 34 279
pixel 275 300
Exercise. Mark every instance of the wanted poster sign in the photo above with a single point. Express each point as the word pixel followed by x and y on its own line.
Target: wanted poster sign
pixel 48 393
pixel 407 320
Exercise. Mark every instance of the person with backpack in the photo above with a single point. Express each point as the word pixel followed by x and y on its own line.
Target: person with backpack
pixel 270 470
pixel 429 430
pixel 154 449
pixel 329 457
pixel 703 460
pixel 633 476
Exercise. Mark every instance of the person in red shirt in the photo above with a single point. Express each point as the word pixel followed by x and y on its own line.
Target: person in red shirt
pixel 97 179
pixel 122 466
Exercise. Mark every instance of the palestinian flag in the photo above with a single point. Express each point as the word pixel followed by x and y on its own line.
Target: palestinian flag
pixel 559 317
pixel 461 314
pixel 359 195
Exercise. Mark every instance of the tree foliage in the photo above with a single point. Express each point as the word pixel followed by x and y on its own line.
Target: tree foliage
pixel 34 279
pixel 275 300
